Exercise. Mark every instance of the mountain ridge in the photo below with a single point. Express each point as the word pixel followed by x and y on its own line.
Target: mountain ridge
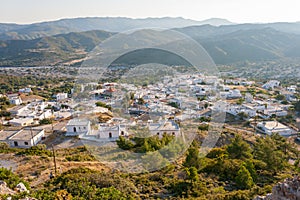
pixel 110 24
pixel 223 46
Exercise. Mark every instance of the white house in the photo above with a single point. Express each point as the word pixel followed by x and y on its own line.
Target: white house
pixel 61 96
pixel 138 94
pixel 25 90
pixel 247 83
pixel 4 135
pixel 78 127
pixel 168 127
pixel 17 110
pixel 197 81
pixel 201 91
pixel 43 115
pixel 232 81
pixel 26 138
pixel 176 101
pixel 21 121
pixel 37 105
pixel 271 84
pixel 248 98
pixel 112 132
pixel 277 111
pixel 15 99
pixel 231 94
pixel 270 127
pixel 292 88
pixel 249 110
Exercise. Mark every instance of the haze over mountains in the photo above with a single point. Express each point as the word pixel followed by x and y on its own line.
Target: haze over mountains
pixel 110 24
pixel 63 41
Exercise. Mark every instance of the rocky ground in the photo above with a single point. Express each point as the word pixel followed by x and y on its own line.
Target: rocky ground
pixel 287 190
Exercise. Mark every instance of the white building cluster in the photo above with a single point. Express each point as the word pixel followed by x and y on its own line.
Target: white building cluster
pixel 30 114
pixel 157 107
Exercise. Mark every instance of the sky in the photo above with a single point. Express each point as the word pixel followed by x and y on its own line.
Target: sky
pixel 239 11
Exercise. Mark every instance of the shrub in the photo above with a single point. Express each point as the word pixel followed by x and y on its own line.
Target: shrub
pixel 38 150
pixel 11 179
pixel 45 121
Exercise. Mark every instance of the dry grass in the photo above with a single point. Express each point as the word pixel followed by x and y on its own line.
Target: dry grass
pixel 36 169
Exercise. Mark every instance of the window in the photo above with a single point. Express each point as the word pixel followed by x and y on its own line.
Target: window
pixel 122 132
pixel 109 135
pixel 74 129
pixel 173 133
pixel 16 144
pixel 84 128
pixel 26 143
pixel 157 133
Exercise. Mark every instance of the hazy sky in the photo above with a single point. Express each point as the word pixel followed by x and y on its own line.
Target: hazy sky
pixel 28 11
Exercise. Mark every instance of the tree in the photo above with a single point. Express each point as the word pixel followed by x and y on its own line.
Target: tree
pixel 10 178
pixel 45 121
pixel 109 194
pixel 131 96
pixel 280 97
pixel 239 149
pixel 141 101
pixel 217 153
pixel 251 168
pixel 4 113
pixel 297 106
pixel 266 150
pixel 192 174
pixel 4 146
pixel 240 101
pixel 203 127
pixel 63 195
pixel 244 179
pixel 281 143
pixel 205 119
pixel 102 104
pixel 124 143
pixel 193 159
pixel 243 115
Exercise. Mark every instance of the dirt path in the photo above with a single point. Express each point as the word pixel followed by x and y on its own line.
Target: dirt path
pixel 7 161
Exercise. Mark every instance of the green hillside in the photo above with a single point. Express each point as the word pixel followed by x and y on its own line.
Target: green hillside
pixel 49 50
pixel 225 45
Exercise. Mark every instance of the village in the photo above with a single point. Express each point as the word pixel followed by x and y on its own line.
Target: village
pixel 160 108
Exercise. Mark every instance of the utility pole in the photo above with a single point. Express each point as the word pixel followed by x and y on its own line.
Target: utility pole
pixel 52 126
pixel 52 111
pixel 54 160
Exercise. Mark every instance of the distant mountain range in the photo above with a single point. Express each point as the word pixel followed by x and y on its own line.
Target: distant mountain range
pixel 226 43
pixel 110 24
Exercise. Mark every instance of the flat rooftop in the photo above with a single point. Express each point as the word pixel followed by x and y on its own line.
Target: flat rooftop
pixel 26 134
pixel 108 128
pixel 16 108
pixel 21 120
pixel 274 125
pixel 4 135
pixel 165 126
pixel 78 122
